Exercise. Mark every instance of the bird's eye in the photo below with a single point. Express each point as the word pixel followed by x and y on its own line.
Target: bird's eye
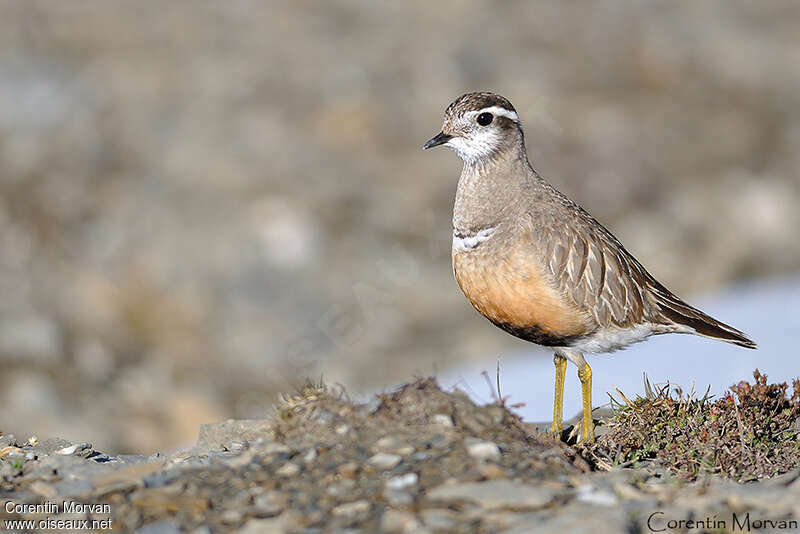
pixel 485 119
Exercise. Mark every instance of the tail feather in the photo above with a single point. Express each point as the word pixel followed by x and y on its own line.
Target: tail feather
pixel 678 312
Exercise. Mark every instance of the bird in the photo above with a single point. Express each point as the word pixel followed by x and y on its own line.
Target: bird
pixel 539 266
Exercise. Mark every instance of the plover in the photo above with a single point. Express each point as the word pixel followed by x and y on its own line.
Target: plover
pixel 537 265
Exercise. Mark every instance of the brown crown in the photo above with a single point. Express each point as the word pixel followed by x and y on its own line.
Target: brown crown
pixel 475 101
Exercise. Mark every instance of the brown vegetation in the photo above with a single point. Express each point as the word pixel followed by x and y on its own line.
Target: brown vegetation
pixel 751 432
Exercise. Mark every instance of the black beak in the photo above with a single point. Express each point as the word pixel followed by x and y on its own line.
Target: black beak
pixel 438 139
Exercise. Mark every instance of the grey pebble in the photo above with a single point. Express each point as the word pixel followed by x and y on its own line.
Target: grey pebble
pixel 484 450
pixel 576 519
pixel 495 494
pixel 397 522
pixel 402 481
pixel 384 460
pixel 588 493
pixel 231 516
pixel 130 459
pixel 271 447
pixel 72 449
pixel 274 525
pixel 159 527
pixel 398 498
pixel 325 417
pixel 310 456
pixel 341 489
pixel 442 419
pixel 267 505
pixel 161 478
pixel 73 488
pixel 288 470
pixel 438 518
pixel 352 509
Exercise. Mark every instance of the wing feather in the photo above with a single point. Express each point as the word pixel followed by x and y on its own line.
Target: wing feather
pixel 593 270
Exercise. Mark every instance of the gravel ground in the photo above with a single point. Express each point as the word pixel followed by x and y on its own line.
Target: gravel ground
pixel 202 203
pixel 418 460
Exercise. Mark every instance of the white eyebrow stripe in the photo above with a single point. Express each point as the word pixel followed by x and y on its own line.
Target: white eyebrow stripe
pixel 500 112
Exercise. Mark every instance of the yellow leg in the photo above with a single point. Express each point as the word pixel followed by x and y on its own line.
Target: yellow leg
pixel 585 376
pixel 558 405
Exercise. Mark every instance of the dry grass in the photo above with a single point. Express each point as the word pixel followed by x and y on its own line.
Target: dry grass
pixel 750 433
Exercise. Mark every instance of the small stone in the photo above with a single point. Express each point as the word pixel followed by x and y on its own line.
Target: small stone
pixel 347 470
pixel 33 440
pixel 495 494
pixel 438 519
pixel 387 443
pixel 442 419
pixel 492 471
pixel 241 460
pixel 166 526
pixel 628 492
pixel 289 469
pixel 127 476
pixel 592 495
pixel 352 509
pixel 72 449
pixel 402 481
pixel 440 441
pixel 384 461
pixel 498 521
pixel 398 498
pixel 231 517
pixel 42 488
pixel 397 522
pixel 271 447
pixel 341 489
pixel 274 525
pixel 324 416
pixel 484 450
pixel 161 478
pixel 393 445
pixel 310 456
pixel 786 479
pixel 73 489
pixel 577 519
pixel 342 430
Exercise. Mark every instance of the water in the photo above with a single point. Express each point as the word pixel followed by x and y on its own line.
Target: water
pixel 768 311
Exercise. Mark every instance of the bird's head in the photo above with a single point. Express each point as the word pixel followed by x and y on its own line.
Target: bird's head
pixel 478 126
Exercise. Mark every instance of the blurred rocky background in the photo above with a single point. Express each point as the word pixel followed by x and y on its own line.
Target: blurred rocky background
pixel 202 203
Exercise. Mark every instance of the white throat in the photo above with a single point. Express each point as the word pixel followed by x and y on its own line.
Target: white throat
pixel 481 146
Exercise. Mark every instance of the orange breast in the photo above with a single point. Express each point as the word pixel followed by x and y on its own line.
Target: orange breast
pixel 509 287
